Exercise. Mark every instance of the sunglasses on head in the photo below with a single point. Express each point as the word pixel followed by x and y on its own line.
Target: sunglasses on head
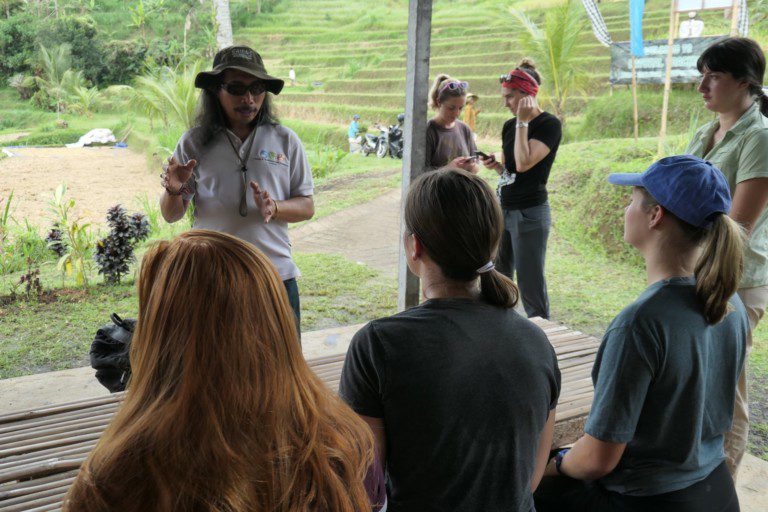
pixel 505 78
pixel 240 89
pixel 453 85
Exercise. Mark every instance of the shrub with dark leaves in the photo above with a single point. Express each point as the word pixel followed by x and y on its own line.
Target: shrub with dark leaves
pixel 114 253
pixel 55 241
pixel 140 227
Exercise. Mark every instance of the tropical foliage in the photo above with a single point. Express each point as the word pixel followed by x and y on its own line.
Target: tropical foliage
pixel 168 94
pixel 555 46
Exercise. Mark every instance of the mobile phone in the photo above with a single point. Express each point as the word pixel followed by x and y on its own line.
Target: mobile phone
pixel 481 155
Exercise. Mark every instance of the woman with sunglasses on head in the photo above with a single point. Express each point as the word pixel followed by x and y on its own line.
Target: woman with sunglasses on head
pixel 736 142
pixel 529 142
pixel 449 140
pixel 247 175
pixel 666 371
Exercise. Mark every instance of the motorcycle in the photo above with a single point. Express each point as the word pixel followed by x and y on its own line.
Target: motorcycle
pixel 373 143
pixel 391 140
pixel 395 138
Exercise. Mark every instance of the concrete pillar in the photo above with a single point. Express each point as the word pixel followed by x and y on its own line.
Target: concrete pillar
pixel 414 156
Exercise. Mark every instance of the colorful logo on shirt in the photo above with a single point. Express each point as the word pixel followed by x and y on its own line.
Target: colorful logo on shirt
pixel 273 156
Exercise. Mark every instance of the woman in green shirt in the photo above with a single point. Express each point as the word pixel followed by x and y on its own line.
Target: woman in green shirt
pixel 737 143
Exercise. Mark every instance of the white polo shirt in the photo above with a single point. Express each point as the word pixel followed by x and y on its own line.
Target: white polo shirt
pixel 277 162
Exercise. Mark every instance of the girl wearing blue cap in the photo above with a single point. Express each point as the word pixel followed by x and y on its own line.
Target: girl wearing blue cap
pixel 666 372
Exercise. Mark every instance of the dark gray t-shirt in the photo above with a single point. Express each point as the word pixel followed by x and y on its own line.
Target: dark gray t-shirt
pixel 464 389
pixel 665 382
pixel 445 144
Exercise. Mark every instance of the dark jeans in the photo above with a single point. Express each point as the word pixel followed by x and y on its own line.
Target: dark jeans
pixel 292 288
pixel 716 493
pixel 523 250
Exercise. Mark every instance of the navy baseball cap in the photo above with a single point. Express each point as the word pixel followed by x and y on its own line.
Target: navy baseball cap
pixel 692 189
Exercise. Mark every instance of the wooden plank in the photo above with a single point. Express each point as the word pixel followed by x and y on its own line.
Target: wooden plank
pixel 35 489
pixel 59 489
pixel 61 452
pixel 53 409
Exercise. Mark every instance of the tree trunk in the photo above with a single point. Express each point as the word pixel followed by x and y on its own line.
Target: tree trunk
pixel 223 24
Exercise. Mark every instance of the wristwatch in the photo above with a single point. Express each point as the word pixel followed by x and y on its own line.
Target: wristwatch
pixel 521 124
pixel 559 460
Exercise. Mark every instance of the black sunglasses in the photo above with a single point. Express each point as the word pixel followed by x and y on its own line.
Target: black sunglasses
pixel 240 89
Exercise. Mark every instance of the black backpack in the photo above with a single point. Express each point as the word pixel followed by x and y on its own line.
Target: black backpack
pixel 109 353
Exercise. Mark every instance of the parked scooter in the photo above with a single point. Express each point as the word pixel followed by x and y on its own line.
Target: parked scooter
pixel 395 138
pixel 372 143
pixel 391 140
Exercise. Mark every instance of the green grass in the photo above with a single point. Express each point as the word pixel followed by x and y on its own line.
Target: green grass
pixel 344 190
pixel 45 336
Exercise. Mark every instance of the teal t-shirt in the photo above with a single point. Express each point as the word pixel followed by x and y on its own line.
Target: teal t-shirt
pixel 665 383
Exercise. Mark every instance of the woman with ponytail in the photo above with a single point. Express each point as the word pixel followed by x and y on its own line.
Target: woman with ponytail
pixel 449 140
pixel 460 390
pixel 732 72
pixel 222 413
pixel 666 372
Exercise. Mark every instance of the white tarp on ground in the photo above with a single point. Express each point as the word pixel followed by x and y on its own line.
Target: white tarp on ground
pixel 96 136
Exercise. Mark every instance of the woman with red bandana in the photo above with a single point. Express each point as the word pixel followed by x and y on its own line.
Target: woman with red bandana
pixel 529 145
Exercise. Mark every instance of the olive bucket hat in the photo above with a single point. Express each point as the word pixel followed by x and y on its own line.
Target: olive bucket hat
pixel 241 58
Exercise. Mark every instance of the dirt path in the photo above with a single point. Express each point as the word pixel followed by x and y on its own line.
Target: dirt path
pixel 96 178
pixel 368 233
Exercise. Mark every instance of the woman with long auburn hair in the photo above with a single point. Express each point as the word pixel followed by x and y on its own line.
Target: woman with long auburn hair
pixel 222 412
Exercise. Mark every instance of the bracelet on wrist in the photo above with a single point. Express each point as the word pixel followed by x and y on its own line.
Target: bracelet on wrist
pixel 276 209
pixel 171 192
pixel 522 124
pixel 559 460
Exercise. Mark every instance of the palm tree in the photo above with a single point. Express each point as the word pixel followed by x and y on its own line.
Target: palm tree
pixel 223 24
pixel 555 48
pixel 168 94
pixel 57 78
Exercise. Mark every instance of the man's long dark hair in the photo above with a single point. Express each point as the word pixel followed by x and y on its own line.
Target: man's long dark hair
pixel 211 118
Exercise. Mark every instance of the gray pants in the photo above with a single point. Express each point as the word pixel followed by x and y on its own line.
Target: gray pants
pixel 523 250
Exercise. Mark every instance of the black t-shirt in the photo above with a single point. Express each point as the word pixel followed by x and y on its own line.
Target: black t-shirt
pixel 529 188
pixel 464 389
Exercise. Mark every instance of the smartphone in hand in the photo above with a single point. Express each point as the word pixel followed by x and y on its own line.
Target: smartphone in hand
pixel 480 154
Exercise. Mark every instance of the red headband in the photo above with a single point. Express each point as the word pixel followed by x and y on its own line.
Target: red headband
pixel 519 79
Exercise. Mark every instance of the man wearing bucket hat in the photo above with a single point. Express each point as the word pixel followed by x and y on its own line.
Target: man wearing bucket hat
pixel 666 372
pixel 246 174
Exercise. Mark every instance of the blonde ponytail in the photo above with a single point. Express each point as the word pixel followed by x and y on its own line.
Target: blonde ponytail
pixel 719 268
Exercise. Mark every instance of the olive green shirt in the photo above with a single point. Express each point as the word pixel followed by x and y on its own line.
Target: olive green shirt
pixel 742 155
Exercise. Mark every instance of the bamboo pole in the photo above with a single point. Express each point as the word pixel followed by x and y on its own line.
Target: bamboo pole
pixel 667 77
pixel 735 18
pixel 634 97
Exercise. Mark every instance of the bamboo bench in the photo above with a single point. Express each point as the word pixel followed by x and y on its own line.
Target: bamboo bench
pixel 42 449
